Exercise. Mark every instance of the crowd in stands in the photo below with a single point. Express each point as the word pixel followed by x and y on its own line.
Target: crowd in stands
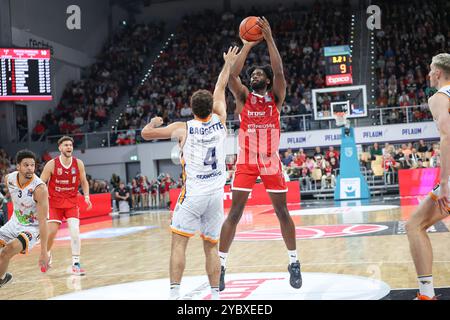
pixel 389 159
pixel 412 33
pixel 85 105
pixel 316 166
pixel 316 169
pixel 193 60
pixel 142 193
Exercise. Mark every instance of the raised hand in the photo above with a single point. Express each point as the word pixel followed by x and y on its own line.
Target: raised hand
pixel 263 23
pixel 231 56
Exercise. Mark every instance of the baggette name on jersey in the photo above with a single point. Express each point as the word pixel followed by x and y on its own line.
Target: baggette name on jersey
pixel 207 176
pixel 208 130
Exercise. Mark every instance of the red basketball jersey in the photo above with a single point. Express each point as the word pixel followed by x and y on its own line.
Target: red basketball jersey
pixel 259 133
pixel 63 185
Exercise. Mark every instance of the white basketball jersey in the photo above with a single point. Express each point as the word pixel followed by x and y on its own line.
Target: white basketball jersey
pixel 203 157
pixel 445 90
pixel 22 199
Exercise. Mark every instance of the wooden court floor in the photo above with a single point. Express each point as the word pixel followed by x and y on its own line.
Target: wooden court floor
pixel 144 254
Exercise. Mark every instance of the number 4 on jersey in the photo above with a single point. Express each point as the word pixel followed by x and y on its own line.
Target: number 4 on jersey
pixel 210 159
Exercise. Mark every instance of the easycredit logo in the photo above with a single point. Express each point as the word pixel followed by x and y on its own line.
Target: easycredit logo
pixel 312 232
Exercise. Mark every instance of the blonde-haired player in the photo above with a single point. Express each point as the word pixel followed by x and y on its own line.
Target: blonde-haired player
pixel 63 175
pixel 200 205
pixel 436 206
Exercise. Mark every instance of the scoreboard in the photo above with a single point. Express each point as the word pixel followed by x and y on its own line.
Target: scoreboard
pixel 338 65
pixel 25 74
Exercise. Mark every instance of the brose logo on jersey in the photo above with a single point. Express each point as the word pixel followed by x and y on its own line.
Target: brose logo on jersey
pixel 256 113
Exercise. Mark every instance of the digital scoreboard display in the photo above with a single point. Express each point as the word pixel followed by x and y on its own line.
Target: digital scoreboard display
pixel 25 74
pixel 338 65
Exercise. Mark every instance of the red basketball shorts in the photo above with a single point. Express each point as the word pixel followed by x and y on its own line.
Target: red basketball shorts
pixel 59 214
pixel 246 174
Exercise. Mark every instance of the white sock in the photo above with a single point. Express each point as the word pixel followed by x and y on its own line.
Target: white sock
pixel 174 291
pixel 223 259
pixel 292 256
pixel 75 259
pixel 426 287
pixel 3 276
pixel 215 293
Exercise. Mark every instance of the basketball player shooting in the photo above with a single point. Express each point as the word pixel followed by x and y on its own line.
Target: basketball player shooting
pixel 63 176
pixel 259 135
pixel 28 223
pixel 200 204
pixel 435 207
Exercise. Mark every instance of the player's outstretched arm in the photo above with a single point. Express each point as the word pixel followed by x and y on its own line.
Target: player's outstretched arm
pixel 240 91
pixel 439 106
pixel 41 197
pixel 279 82
pixel 174 130
pixel 47 171
pixel 219 105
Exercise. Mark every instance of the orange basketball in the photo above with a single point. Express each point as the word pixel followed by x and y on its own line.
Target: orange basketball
pixel 249 30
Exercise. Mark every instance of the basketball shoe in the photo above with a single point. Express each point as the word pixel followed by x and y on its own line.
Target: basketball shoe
pixel 77 270
pixel 296 277
pixel 8 277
